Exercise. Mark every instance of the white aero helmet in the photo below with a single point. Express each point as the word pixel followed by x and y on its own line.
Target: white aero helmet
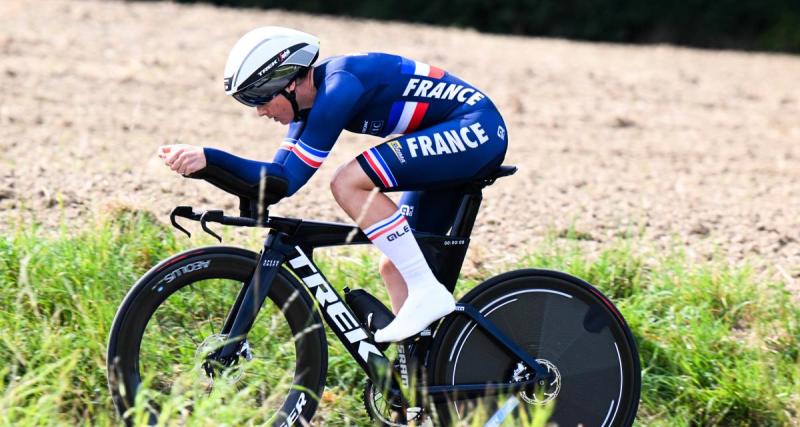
pixel 266 60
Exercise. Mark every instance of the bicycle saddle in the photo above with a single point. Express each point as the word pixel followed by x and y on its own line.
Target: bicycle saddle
pixel 505 170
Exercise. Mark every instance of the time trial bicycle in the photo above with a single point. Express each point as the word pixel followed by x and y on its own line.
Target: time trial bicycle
pixel 256 320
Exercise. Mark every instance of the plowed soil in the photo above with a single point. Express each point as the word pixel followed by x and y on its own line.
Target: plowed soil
pixel 682 148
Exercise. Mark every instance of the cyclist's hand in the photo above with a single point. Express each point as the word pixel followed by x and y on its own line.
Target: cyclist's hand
pixel 183 158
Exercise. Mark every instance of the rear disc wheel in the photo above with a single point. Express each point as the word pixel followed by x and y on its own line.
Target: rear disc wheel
pixel 564 323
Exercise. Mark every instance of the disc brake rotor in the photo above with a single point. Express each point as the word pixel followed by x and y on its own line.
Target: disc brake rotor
pixel 544 391
pixel 212 370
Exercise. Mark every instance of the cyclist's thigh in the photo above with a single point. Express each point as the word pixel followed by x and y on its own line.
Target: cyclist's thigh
pixel 431 211
pixel 443 155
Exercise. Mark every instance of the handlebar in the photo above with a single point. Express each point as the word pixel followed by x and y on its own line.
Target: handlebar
pixel 254 201
pixel 287 225
pixel 210 216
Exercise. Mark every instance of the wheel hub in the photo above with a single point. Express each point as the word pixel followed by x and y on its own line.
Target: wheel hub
pixel 212 369
pixel 544 391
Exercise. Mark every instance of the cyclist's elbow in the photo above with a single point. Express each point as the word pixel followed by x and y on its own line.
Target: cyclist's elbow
pixel 295 179
pixel 292 188
pixel 294 183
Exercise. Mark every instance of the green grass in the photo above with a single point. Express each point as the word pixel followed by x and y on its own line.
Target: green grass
pixel 717 346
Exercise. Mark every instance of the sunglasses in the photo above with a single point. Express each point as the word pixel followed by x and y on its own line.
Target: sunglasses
pixel 251 99
pixel 268 87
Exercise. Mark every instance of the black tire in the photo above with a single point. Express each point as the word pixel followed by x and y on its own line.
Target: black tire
pixel 555 317
pixel 153 335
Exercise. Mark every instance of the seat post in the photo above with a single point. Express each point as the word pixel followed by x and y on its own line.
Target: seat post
pixel 471 202
pixel 467 212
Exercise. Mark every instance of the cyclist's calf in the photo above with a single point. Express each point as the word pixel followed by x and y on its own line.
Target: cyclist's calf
pixel 395 285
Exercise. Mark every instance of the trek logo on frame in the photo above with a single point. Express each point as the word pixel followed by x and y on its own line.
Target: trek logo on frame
pixel 343 318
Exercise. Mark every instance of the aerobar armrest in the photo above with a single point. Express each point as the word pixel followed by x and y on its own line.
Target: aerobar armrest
pixel 275 189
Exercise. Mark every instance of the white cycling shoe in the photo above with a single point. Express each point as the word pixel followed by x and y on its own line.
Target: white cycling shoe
pixel 421 308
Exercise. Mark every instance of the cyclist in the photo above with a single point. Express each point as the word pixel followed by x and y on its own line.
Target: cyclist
pixel 446 133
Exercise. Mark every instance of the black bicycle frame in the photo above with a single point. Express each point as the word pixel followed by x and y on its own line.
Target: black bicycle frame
pixel 290 243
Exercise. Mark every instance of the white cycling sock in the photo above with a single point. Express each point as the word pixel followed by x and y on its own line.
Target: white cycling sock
pixel 428 300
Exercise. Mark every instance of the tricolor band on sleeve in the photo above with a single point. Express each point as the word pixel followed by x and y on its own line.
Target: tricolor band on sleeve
pixel 309 155
pixel 384 226
pixel 287 144
pixel 378 166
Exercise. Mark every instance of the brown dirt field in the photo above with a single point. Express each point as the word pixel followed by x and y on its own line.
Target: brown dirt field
pixel 693 149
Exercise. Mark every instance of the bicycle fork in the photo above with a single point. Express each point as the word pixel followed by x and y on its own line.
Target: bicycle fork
pixel 248 303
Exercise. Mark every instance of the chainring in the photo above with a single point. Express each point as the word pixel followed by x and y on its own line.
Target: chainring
pixel 390 414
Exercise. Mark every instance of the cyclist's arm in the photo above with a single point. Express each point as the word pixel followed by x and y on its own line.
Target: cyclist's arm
pixel 295 129
pixel 336 100
pixel 250 170
pixel 247 170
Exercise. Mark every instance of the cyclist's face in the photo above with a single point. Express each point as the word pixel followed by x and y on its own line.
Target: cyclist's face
pixel 278 109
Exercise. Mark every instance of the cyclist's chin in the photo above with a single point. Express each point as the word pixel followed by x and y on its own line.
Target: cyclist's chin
pixel 282 119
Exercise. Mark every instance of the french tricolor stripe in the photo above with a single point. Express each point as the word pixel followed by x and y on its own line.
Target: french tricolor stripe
pixel 421 69
pixel 409 117
pixel 287 144
pixel 385 226
pixel 380 167
pixel 309 155
pixel 416 116
pixel 394 115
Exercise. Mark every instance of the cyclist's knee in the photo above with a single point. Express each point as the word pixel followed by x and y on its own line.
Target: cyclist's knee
pixel 340 182
pixel 349 177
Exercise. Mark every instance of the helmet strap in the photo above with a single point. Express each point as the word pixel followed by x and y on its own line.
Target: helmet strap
pixel 291 96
